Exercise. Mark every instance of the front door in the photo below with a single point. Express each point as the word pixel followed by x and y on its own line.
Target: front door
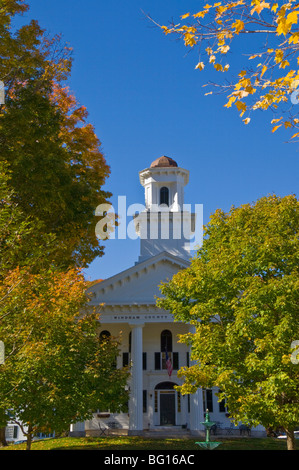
pixel 167 408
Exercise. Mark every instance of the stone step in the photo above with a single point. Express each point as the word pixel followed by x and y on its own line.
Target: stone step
pixel 167 431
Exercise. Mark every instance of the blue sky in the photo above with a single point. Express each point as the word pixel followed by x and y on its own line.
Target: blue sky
pixel 145 99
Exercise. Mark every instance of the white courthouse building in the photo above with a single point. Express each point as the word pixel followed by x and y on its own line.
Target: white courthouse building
pixel 127 303
pixel 148 333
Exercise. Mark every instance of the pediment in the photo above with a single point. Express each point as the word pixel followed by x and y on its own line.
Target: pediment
pixel 138 285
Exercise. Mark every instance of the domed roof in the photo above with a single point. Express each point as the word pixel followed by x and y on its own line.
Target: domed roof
pixel 164 162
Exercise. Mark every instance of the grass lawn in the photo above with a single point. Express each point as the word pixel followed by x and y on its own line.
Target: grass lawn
pixel 125 443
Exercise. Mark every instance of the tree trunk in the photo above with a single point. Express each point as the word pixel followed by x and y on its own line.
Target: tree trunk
pixel 3 442
pixel 290 439
pixel 29 437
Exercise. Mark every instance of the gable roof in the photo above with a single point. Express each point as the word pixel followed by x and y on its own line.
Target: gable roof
pixel 138 284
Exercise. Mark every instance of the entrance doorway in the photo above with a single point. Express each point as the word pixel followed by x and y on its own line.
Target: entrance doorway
pixel 167 408
pixel 165 399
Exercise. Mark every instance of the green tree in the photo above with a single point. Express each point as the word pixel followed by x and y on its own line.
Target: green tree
pixel 241 292
pixel 21 241
pixel 56 369
pixel 20 54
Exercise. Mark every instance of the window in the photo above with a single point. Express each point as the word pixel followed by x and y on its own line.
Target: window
pixel 222 405
pixel 125 359
pixel 166 346
pixel 164 196
pixel 179 402
pixel 160 360
pixel 42 435
pixel 11 432
pixel 175 361
pixel 104 335
pixel 208 400
pixel 157 361
pixel 166 341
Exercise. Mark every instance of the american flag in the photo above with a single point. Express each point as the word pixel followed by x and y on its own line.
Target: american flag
pixel 168 364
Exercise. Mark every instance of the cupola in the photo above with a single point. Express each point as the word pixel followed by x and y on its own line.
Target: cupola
pixel 165 225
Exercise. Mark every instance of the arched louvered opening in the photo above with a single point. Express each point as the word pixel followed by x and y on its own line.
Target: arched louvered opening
pixel 166 341
pixel 164 196
pixel 104 335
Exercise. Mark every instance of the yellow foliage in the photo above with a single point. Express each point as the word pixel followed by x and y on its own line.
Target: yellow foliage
pixel 263 70
pixel 259 6
pixel 241 107
pixel 284 64
pixel 292 18
pixel 238 25
pixel 166 30
pixel 276 127
pixel 274 121
pixel 218 67
pixel 224 49
pixel 283 27
pixel 200 14
pixel 278 56
pixel 231 100
pixel 294 38
pixel 224 23
pixel 189 39
pixel 200 66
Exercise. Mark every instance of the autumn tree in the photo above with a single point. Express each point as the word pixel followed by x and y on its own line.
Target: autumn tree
pixel 54 156
pixel 241 293
pixel 17 248
pixel 52 171
pixel 56 369
pixel 262 37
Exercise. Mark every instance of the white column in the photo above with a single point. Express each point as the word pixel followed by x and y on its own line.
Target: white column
pixel 196 412
pixel 136 394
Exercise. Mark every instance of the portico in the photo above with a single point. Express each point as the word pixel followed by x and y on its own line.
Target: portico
pixel 153 400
